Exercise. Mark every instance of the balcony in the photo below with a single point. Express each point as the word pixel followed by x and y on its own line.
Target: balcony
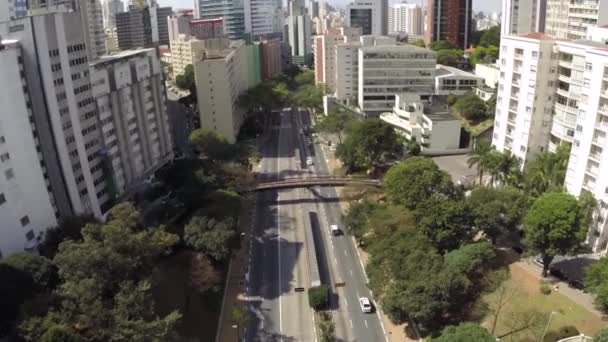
pixel 596 157
pixel 519 56
pixel 513 109
pixel 598 141
pixel 601 124
pixel 604 93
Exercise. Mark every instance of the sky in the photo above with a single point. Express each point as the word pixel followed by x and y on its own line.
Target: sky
pixel 478 5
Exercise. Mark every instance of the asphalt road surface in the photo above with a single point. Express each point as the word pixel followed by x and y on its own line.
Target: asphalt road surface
pixel 279 264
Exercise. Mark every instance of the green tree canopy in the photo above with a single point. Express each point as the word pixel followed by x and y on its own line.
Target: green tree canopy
pixel 334 122
pixel 414 180
pixel 491 37
pixel 471 107
pixel 368 143
pixel 553 227
pixel 419 43
pixel 60 333
pixel 547 171
pixel 442 45
pixel 16 287
pixel 470 259
pixel 446 223
pixel 68 229
pixel 451 57
pixel 212 145
pixel 318 297
pixel 596 282
pixel 210 236
pixel 601 336
pixel 42 270
pixel 482 54
pixel 465 332
pixel 186 80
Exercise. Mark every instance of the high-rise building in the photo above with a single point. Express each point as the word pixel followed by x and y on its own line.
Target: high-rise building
pixel 347 72
pixel 162 16
pixel 406 18
pixel 370 15
pixel 263 17
pixel 271 57
pixel 325 52
pixel 553 92
pixel 449 20
pixel 110 8
pixel 221 77
pixel 179 23
pixel 12 9
pixel 232 11
pixel 185 51
pixel 141 27
pixel 299 32
pixel 26 206
pixel 523 16
pixel 567 19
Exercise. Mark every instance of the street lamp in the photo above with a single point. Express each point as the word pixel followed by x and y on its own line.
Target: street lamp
pixel 547 327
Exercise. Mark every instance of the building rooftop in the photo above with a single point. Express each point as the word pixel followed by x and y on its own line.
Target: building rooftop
pixel 120 55
pixel 537 35
pixel 404 47
pixel 444 70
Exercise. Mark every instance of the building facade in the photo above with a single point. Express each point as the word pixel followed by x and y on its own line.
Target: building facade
pixel 347 72
pixel 453 81
pixel 567 19
pixel 523 16
pixel 449 20
pixel 232 11
pixel 263 17
pixel 185 51
pixel 325 53
pixel 162 17
pixel 109 9
pixel 271 58
pixel 134 29
pixel 370 16
pixel 406 18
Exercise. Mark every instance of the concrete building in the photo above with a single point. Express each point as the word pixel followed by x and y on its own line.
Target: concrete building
pixel 369 15
pixel 221 77
pixel 13 9
pixel 54 57
pixel 162 16
pixel 598 34
pixel 26 205
pixel 453 81
pixel 489 72
pixel 109 9
pixel 347 73
pixel 325 53
pixel 185 51
pixel 134 29
pixel 194 28
pixel 130 97
pixel 431 126
pixel 271 57
pixel 179 23
pixel 567 19
pixel 449 20
pixel 299 32
pixel 263 17
pixel 386 69
pixel 232 11
pixel 406 18
pixel 523 16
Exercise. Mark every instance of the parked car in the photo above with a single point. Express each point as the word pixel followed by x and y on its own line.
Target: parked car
pixel 335 230
pixel 309 161
pixel 557 273
pixel 366 305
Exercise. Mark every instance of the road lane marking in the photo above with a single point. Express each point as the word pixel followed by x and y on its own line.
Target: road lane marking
pixel 351 323
pixel 351 273
pixel 365 321
pixel 335 260
pixel 382 326
pixel 359 257
pixel 345 301
pixel 345 253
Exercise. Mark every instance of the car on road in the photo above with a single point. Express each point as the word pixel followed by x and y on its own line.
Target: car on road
pixel 335 230
pixel 366 305
pixel 309 161
pixel 539 261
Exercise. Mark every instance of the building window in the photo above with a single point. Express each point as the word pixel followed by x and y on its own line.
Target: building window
pixel 29 235
pixel 9 174
pixel 4 157
pixel 25 220
pixel 2 139
pixel 2 199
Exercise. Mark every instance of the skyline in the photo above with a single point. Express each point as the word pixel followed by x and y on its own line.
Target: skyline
pixel 486 6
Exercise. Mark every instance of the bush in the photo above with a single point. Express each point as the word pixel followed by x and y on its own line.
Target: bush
pixel 318 297
pixel 545 289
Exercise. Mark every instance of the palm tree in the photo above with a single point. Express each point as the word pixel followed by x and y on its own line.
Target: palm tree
pixel 480 157
pixel 508 169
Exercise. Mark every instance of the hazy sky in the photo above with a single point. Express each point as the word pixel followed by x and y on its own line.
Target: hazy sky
pixel 479 5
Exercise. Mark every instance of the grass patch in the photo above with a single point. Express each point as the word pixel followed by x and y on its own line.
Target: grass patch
pixel 524 297
pixel 475 128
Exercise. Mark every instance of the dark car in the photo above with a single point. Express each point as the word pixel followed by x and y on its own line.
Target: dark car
pixel 577 284
pixel 557 273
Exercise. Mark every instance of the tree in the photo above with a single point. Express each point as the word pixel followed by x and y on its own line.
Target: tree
pixel 186 80
pixel 483 54
pixel 602 336
pixel 318 297
pixel 327 328
pixel 240 316
pixel 596 282
pixel 547 171
pixel 42 270
pixel 419 43
pixel 442 45
pixel 451 57
pixel 507 169
pixel 60 333
pixel 105 293
pixel 305 78
pixel 210 236
pixel 368 144
pixel 16 287
pixel 470 259
pixel 471 107
pixel 212 145
pixel 413 148
pixel 414 180
pixel 465 332
pixel 357 217
pixel 446 223
pixel 335 122
pixel 553 227
pixel 491 37
pixel 203 276
pixel 68 229
pixel 480 157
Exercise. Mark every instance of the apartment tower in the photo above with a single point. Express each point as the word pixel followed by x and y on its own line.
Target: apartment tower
pixel 449 20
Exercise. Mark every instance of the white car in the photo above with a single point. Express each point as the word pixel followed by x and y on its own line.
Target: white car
pixel 309 161
pixel 335 230
pixel 366 305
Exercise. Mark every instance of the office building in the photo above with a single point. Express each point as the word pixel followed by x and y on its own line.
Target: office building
pixel 299 32
pixel 347 73
pixel 263 17
pixel 162 15
pixel 325 53
pixel 566 19
pixel 449 20
pixel 109 9
pixel 194 28
pixel 179 23
pixel 221 77
pixel 271 57
pixel 13 9
pixel 523 16
pixel 186 50
pixel 427 123
pixel 406 18
pixel 387 69
pixel 369 15
pixel 26 206
pixel 128 89
pixel 453 81
pixel 232 11
pixel 134 29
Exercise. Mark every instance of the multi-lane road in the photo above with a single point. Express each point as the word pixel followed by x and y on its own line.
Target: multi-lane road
pixel 279 266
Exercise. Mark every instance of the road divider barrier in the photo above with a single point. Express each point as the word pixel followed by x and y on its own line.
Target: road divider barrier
pixel 313 264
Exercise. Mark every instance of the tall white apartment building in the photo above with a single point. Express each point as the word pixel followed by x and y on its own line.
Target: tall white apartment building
pixel 387 69
pixel 525 95
pixel 523 16
pixel 569 19
pixel 263 17
pixel 299 30
pixel 324 49
pixel 347 72
pixel 221 77
pixel 130 97
pixel 370 15
pixel 406 18
pixel 26 207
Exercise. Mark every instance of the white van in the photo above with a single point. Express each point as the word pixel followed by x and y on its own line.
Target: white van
pixel 309 161
pixel 335 230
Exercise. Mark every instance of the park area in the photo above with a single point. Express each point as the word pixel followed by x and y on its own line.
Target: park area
pixel 524 311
